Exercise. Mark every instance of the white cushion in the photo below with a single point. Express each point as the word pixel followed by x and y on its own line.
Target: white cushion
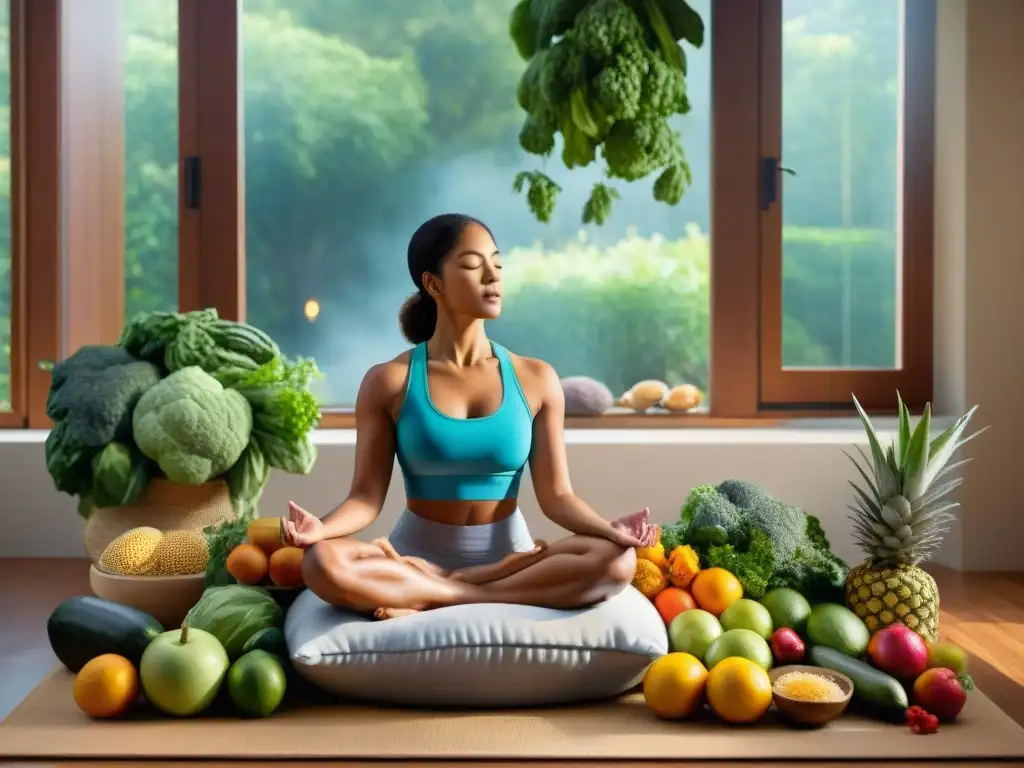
pixel 477 655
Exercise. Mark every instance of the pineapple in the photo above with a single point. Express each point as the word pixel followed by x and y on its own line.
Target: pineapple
pixel 899 518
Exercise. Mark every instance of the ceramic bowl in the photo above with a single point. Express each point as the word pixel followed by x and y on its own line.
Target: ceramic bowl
pixel 812 713
pixel 165 598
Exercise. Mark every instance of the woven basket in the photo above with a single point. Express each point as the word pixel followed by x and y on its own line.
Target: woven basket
pixel 163 505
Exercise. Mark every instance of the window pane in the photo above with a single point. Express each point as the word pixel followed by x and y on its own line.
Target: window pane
pixel 151 155
pixel 5 207
pixel 841 135
pixel 364 118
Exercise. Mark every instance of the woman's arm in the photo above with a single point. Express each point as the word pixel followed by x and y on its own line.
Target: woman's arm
pixel 549 466
pixel 375 455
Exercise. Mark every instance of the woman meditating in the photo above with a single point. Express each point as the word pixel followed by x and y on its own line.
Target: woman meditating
pixel 463 416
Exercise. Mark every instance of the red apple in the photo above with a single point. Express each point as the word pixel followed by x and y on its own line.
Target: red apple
pixel 899 651
pixel 787 647
pixel 940 691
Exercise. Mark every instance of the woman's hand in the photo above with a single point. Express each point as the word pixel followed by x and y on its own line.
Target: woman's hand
pixel 634 530
pixel 300 528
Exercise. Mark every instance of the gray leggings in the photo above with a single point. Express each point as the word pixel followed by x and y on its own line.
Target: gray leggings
pixel 460 546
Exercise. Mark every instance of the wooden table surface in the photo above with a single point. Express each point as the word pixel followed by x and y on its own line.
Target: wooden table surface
pixel 981 612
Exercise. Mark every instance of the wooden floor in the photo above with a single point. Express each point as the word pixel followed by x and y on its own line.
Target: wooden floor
pixel 983 613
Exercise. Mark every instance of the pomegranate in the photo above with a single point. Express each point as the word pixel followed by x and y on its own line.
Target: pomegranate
pixel 940 691
pixel 787 647
pixel 899 651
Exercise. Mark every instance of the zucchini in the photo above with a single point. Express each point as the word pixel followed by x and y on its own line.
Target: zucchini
pixel 882 692
pixel 84 627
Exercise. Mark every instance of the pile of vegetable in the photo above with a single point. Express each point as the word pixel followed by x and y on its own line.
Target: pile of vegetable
pixel 765 542
pixel 605 75
pixel 186 396
pixel 253 554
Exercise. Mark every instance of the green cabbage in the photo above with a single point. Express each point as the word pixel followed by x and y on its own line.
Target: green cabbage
pixel 234 613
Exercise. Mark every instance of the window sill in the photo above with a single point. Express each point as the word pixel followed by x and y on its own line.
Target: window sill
pixel 705 431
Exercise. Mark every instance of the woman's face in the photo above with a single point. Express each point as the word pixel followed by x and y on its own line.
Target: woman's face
pixel 470 283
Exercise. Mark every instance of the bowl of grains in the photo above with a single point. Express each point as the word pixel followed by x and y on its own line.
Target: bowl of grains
pixel 807 695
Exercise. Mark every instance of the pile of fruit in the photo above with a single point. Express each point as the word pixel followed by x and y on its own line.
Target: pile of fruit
pixel 230 647
pixel 253 554
pixel 745 582
pixel 147 551
pixel 723 644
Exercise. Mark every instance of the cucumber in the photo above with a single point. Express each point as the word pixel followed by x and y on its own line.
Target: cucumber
pixel 84 627
pixel 882 692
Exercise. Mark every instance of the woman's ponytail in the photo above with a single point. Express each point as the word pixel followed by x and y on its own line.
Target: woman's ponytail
pixel 418 318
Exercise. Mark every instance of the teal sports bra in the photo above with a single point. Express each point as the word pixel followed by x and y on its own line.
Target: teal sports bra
pixel 448 459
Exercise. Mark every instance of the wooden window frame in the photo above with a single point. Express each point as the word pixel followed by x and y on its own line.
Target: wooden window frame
pixel 831 389
pixel 67 137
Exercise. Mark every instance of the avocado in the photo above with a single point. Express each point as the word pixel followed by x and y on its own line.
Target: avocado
pixel 836 626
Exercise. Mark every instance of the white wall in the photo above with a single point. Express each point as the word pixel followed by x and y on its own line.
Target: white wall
pixel 979 357
pixel 616 471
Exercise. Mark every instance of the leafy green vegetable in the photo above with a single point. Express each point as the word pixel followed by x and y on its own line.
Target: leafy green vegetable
pixel 233 614
pixel 191 426
pixel 801 557
pixel 92 396
pixel 753 564
pixel 607 75
pixel 220 540
pixel 673 535
pixel 120 473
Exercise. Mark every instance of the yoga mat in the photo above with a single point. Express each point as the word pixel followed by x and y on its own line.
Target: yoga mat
pixel 48 725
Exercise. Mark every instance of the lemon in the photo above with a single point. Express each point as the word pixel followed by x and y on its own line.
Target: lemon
pixel 674 685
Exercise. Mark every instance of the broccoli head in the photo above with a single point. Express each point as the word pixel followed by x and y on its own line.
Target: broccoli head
pixel 604 26
pixel 94 391
pixel 92 395
pixel 734 523
pixel 191 426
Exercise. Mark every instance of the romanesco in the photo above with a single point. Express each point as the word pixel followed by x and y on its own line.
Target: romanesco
pixel 604 26
pixel 191 426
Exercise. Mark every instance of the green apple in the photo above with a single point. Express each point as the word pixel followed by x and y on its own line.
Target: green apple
pixel 182 670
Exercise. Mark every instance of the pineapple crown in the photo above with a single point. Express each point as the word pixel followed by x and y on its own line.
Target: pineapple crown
pixel 901 515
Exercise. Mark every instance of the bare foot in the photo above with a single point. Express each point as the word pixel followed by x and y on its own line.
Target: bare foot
pixel 385 546
pixel 382 614
pixel 483 574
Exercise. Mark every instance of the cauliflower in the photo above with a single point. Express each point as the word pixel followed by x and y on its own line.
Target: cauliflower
pixel 191 426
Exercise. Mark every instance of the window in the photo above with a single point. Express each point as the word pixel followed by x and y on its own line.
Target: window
pixel 150 29
pixel 278 154
pixel 364 121
pixel 847 93
pixel 6 261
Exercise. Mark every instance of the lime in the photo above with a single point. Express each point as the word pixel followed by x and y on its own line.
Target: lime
pixel 742 643
pixel 257 683
pixel 693 631
pixel 788 608
pixel 748 614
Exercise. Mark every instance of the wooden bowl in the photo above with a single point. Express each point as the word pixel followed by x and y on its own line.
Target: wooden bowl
pixel 812 713
pixel 165 598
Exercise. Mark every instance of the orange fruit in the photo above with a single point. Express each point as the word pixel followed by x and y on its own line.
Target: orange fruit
pixel 286 567
pixel 715 589
pixel 106 686
pixel 247 563
pixel 265 533
pixel 738 690
pixel 674 685
pixel 672 601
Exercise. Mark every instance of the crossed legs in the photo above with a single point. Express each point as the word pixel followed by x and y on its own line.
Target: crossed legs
pixel 372 577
